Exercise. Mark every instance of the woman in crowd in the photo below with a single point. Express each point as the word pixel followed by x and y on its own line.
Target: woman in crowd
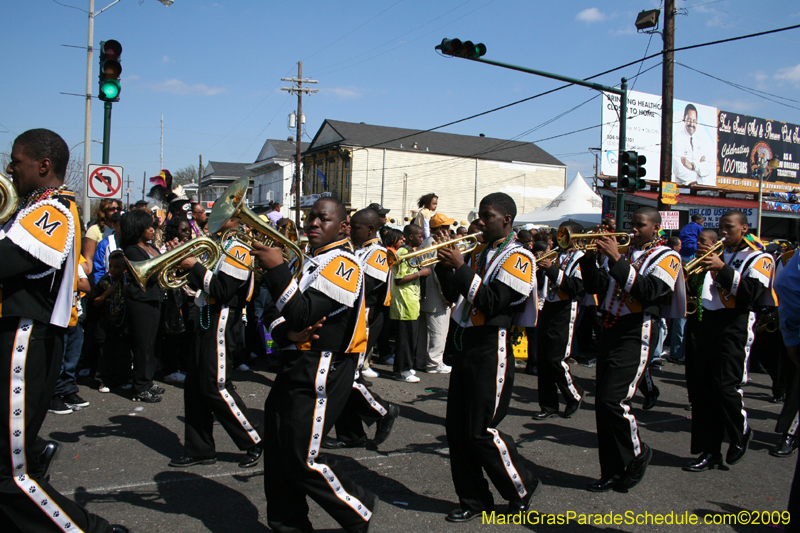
pixel 99 228
pixel 143 305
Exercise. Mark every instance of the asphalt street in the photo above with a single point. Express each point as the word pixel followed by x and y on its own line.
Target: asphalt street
pixel 115 452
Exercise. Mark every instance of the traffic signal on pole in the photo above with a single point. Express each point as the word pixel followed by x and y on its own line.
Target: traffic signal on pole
pixel 631 171
pixel 110 70
pixel 457 48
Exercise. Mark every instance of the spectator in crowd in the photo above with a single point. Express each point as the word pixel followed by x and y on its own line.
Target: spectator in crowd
pixel 525 238
pixel 275 215
pixel 105 248
pixel 405 306
pixel 461 231
pixel 177 329
pixel 427 206
pixel 143 305
pixel 112 337
pixel 98 228
pixel 688 237
pixel 199 219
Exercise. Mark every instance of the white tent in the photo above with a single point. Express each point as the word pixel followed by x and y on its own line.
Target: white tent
pixel 577 203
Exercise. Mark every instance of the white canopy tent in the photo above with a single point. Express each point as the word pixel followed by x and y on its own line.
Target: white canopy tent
pixel 577 203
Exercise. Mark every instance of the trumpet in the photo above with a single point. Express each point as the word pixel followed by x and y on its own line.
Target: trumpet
pixel 691 305
pixel 9 198
pixel 695 266
pixel 768 321
pixel 565 239
pixel 231 206
pixel 549 256
pixel 428 256
pixel 166 266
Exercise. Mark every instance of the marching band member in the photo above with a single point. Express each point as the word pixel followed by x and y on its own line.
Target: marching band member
pixel 557 322
pixel 736 283
pixel 633 293
pixel 364 405
pixel 208 392
pixel 39 246
pixel 489 290
pixel 314 384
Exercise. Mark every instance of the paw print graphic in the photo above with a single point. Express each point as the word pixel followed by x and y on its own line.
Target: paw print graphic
pixel 319 419
pixel 322 371
pixel 17 369
pixel 43 502
pixel 26 327
pixel 17 433
pixel 17 451
pixel 32 489
pixel 320 388
pixel 17 412
pixel 316 435
pixel 17 390
pixel 56 514
pixel 20 348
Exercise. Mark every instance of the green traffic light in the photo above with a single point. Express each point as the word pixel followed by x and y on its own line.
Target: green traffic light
pixel 110 89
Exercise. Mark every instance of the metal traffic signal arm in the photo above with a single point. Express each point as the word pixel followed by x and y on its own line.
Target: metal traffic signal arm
pixel 473 52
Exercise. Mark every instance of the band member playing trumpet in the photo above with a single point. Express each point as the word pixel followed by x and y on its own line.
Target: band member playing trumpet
pixel 492 285
pixel 557 322
pixel 312 387
pixel 40 248
pixel 208 391
pixel 364 406
pixel 735 284
pixel 633 296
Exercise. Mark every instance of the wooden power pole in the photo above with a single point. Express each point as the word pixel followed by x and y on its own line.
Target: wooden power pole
pixel 667 95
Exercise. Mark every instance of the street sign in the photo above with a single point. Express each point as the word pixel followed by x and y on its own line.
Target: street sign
pixel 105 181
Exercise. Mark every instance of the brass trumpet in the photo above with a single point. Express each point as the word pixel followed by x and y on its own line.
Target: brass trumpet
pixel 695 266
pixel 768 321
pixel 170 276
pixel 549 256
pixel 565 239
pixel 9 198
pixel 691 305
pixel 231 206
pixel 428 256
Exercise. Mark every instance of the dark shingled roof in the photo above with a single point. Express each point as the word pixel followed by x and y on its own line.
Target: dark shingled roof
pixel 229 170
pixel 401 139
pixel 287 149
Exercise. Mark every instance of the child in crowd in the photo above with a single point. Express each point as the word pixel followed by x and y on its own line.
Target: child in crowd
pixel 113 338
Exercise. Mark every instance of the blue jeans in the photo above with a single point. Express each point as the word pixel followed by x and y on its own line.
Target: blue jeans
pixel 660 334
pixel 73 343
pixel 676 338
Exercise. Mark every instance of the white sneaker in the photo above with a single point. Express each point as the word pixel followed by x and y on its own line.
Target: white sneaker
pixel 175 377
pixel 369 373
pixel 413 372
pixel 407 377
pixel 243 368
pixel 441 369
pixel 103 388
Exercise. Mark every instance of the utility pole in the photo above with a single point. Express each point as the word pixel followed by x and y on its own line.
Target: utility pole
pixel 298 89
pixel 87 127
pixel 144 183
pixel 128 191
pixel 161 158
pixel 667 87
pixel 199 176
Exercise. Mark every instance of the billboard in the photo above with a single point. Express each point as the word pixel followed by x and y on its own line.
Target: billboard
pixel 748 143
pixel 709 147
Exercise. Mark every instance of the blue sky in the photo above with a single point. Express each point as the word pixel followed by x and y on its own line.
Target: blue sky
pixel 213 68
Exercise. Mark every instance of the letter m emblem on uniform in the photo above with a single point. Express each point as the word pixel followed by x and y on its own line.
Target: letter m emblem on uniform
pixel 241 256
pixel 522 266
pixel 45 225
pixel 380 259
pixel 345 273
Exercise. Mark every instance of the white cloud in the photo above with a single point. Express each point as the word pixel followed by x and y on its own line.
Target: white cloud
pixel 789 74
pixel 739 106
pixel 345 92
pixel 591 14
pixel 166 59
pixel 181 87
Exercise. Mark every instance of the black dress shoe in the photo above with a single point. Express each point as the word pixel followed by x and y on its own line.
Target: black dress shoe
pixel 572 408
pixel 785 448
pixel 335 444
pixel 521 506
pixel 385 425
pixel 736 453
pixel 706 461
pixel 116 528
pixel 543 415
pixel 191 461
pixel 252 457
pixel 47 457
pixel 635 471
pixel 777 399
pixel 605 484
pixel 650 400
pixel 462 515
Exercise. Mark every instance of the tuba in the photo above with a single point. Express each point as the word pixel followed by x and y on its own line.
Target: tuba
pixel 231 206
pixel 9 198
pixel 166 266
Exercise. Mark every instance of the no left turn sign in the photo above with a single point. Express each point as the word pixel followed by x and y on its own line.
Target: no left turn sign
pixel 105 181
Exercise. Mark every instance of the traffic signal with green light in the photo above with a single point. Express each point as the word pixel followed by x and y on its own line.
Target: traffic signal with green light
pixel 454 47
pixel 110 70
pixel 631 171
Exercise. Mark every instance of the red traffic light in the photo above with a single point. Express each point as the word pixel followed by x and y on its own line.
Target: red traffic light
pixel 112 49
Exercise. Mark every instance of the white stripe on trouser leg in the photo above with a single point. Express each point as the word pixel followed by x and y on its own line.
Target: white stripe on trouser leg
pixel 751 322
pixel 795 423
pixel 506 458
pixel 648 380
pixel 370 398
pixel 221 377
pixel 573 316
pixel 17 431
pixel 500 377
pixel 321 389
pixel 644 354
